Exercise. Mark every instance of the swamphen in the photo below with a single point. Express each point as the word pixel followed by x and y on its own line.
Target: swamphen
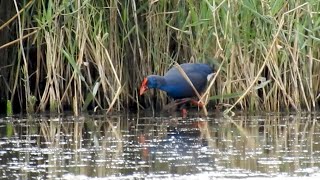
pixel 176 85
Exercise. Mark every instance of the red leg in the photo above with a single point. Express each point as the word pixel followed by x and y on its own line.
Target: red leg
pixel 184 112
pixel 197 103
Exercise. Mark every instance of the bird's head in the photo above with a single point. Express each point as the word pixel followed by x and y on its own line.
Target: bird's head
pixel 152 81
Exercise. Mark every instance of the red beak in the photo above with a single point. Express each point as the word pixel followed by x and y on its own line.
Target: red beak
pixel 143 86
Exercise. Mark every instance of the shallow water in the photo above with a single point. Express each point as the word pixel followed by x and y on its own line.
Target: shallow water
pixel 266 146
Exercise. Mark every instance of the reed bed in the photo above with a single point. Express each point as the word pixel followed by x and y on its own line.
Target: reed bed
pixel 92 55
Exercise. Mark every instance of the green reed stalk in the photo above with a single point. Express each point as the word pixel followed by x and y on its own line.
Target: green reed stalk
pixel 92 55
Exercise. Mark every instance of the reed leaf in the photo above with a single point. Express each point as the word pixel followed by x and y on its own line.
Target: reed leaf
pixel 78 55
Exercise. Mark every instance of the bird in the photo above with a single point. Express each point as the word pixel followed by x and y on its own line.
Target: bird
pixel 175 84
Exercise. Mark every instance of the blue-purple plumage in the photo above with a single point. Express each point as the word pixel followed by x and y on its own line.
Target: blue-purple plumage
pixel 176 85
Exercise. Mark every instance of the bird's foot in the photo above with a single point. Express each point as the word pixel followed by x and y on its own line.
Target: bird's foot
pixel 184 113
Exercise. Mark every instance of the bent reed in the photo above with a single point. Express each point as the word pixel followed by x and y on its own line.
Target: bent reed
pixel 93 54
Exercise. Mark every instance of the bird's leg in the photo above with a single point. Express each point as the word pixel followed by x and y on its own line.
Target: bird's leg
pixel 183 103
pixel 184 113
pixel 197 103
pixel 180 103
pixel 174 104
pixel 183 108
pixel 170 106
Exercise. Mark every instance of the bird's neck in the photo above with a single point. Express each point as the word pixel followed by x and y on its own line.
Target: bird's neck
pixel 158 82
pixel 163 85
pixel 161 82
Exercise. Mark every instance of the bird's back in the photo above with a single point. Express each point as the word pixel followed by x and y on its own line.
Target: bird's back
pixel 177 86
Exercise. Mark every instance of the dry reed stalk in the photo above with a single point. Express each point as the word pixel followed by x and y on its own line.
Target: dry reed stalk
pixel 18 40
pixel 135 18
pixel 145 37
pixel 25 68
pixel 16 15
pixel 260 70
pixel 115 75
pixel 185 76
pixel 212 81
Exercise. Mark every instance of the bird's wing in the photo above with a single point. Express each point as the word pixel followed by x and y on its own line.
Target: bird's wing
pixel 198 80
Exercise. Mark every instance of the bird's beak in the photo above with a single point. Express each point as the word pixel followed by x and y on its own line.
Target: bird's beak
pixel 144 86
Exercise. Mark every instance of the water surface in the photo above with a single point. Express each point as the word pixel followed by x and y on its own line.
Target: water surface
pixel 268 146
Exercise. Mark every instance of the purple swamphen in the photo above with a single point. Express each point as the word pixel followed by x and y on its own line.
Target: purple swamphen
pixel 176 85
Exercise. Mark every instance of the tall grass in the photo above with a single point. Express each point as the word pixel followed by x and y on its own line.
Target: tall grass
pixel 93 54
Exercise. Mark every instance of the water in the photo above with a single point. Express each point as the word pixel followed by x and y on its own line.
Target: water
pixel 266 146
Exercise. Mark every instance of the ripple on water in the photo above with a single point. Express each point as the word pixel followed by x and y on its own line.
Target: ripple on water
pixel 115 147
